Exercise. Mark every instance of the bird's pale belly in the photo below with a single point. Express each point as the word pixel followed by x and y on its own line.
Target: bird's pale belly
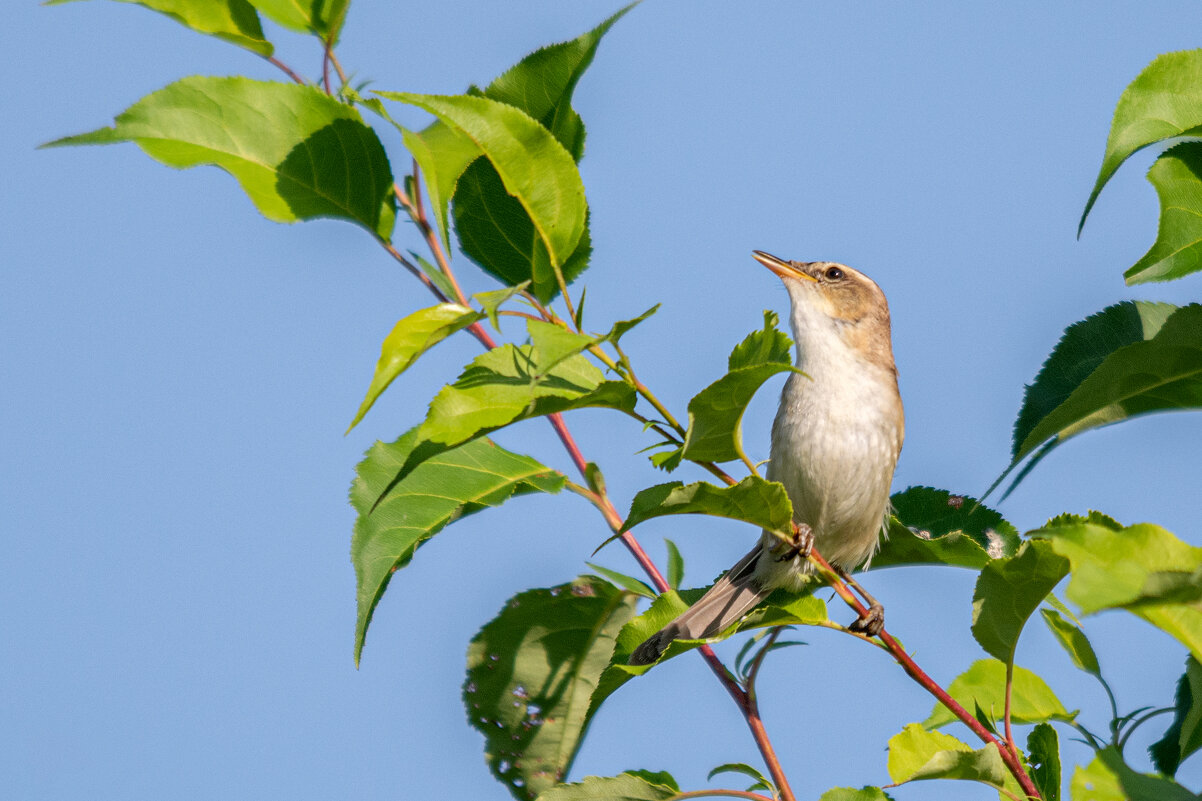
pixel 836 462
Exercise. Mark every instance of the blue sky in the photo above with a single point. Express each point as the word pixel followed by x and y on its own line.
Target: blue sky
pixel 178 602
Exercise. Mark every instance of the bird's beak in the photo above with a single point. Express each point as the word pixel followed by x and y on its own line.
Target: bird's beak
pixel 779 266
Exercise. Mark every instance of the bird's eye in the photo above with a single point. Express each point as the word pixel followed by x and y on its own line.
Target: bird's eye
pixel 833 273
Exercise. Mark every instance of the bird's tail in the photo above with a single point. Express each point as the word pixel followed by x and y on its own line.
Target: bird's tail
pixel 728 600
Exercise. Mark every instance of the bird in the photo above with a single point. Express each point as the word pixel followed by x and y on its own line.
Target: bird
pixel 836 439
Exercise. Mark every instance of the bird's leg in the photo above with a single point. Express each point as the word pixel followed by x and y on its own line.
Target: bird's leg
pixel 873 619
pixel 802 544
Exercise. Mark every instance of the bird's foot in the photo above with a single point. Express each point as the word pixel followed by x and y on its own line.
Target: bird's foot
pixel 803 543
pixel 871 622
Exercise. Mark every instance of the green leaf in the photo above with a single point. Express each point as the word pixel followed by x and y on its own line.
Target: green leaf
pixel 1073 640
pixel 637 586
pixel 234 21
pixel 1043 753
pixel 850 794
pixel 553 344
pixel 297 153
pixel 1109 778
pixel 492 301
pixel 916 755
pixel 620 328
pixel 1184 735
pixel 767 346
pixel 533 167
pixel 675 565
pixel 931 526
pixel 984 683
pixel 409 339
pixel 435 274
pixel 716 413
pixel 761 781
pixel 504 386
pixel 321 17
pixel 1080 351
pixel 1178 248
pixel 530 672
pixel 633 785
pixel 395 518
pixel 1160 372
pixel 542 83
pixel 496 232
pixel 753 500
pixel 779 609
pixel 1163 102
pixel 1142 568
pixel 913 747
pixel 1008 591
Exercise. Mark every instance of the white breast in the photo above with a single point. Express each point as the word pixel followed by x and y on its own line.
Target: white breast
pixel 835 444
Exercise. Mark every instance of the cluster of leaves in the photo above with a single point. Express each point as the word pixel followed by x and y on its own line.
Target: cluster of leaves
pixel 499 167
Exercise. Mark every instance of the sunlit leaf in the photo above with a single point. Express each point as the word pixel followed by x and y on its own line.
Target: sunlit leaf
pixel 1073 640
pixel 297 153
pixel 931 526
pixel 495 230
pixel 321 17
pixel 1163 102
pixel 913 747
pixel 1184 735
pixel 534 168
pixel 530 672
pixel 505 385
pixel 1109 778
pixel 232 20
pixel 633 785
pixel 1178 248
pixel 452 484
pixel 409 339
pixel 1008 591
pixel 716 413
pixel 1142 568
pixel 850 794
pixel 753 500
pixel 984 684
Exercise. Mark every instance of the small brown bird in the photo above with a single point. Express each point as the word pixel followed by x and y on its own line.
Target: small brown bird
pixel 835 443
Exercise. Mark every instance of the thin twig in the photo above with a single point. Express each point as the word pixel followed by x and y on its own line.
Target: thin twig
pixel 287 70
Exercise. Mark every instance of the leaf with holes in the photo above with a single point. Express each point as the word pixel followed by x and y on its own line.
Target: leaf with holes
pixel 932 526
pixel 530 672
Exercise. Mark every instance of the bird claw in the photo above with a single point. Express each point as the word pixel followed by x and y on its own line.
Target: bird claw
pixel 871 623
pixel 803 543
